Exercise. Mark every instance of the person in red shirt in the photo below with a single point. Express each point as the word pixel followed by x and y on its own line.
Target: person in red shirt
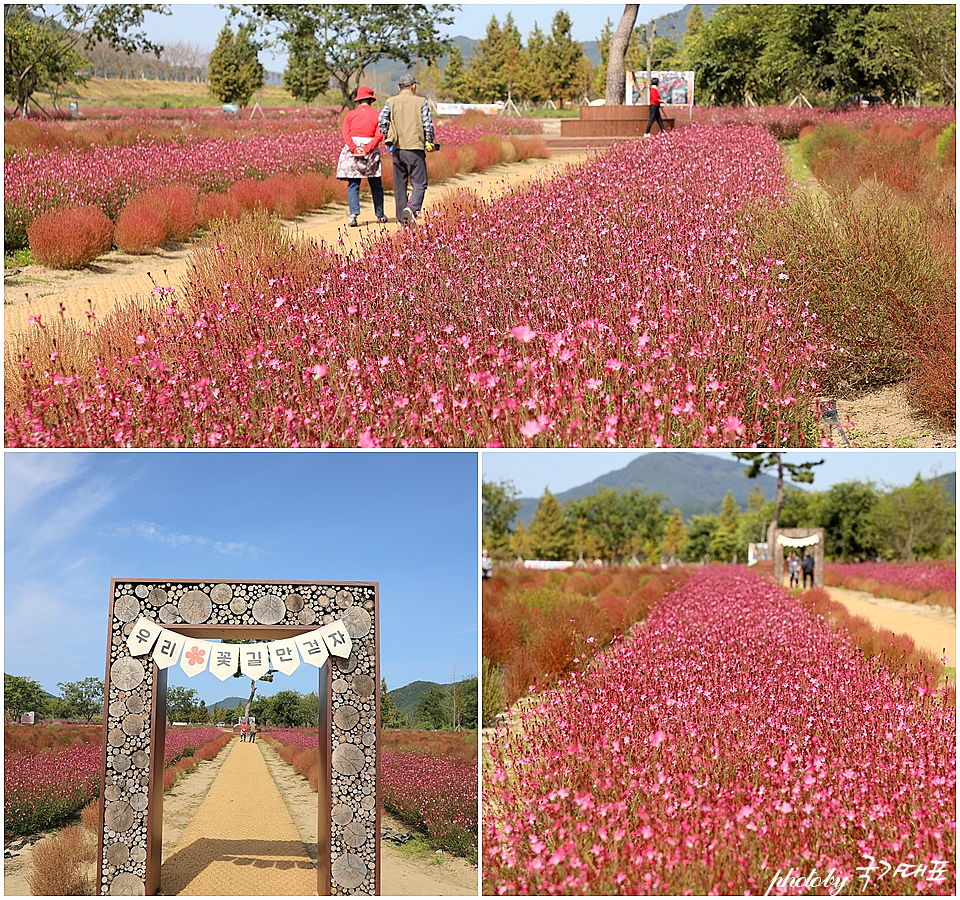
pixel 360 156
pixel 654 106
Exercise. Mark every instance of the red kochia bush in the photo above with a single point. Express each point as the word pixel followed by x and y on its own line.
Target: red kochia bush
pixel 177 203
pixel 140 228
pixel 214 207
pixel 70 238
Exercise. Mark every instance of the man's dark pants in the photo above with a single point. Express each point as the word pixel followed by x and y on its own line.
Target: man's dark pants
pixel 409 168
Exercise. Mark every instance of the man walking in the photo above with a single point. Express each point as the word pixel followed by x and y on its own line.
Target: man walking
pixel 407 126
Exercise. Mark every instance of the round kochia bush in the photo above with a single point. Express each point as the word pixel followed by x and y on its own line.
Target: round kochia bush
pixel 70 238
pixel 734 736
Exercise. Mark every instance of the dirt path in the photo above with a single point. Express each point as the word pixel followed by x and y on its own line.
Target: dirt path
pixel 931 627
pixel 116 277
pixel 405 871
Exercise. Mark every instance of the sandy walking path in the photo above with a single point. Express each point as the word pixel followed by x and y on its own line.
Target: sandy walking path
pixel 241 841
pixel 116 278
pixel 932 628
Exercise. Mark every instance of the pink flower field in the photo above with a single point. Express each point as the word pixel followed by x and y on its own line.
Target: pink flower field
pixel 40 790
pixel 733 740
pixel 923 576
pixel 434 793
pixel 618 305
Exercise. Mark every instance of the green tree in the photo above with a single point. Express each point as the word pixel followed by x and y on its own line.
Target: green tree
pixel 800 473
pixel 550 533
pixel 725 52
pixel 310 710
pixel 520 543
pixel 341 40
pixel 912 522
pixel 391 716
pixel 470 694
pixel 696 547
pixel 202 715
pixel 42 42
pixel 453 83
pixel 494 67
pixel 83 699
pixel 725 544
pixel 500 508
pixel 286 710
pixel 305 75
pixel 843 512
pixel 22 695
pixel 235 73
pixel 563 61
pixel 674 535
pixel 182 704
pixel 430 709
pixel 619 520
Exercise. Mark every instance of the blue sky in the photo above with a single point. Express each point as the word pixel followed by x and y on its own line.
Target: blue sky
pixel 200 23
pixel 533 470
pixel 74 520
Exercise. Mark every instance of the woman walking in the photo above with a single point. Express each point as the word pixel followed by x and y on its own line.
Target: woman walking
pixel 360 156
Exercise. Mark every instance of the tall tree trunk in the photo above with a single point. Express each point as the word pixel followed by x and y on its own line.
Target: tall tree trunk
pixel 616 57
pixel 253 690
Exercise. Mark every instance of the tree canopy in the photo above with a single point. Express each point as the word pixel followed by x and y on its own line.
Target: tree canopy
pixel 235 72
pixel 83 699
pixel 337 41
pixel 42 43
pixel 22 695
pixel 775 51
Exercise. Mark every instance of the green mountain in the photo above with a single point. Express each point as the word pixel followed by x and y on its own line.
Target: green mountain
pixel 407 698
pixel 694 483
pixel 948 482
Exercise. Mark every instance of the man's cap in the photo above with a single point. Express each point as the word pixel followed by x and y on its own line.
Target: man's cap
pixel 407 81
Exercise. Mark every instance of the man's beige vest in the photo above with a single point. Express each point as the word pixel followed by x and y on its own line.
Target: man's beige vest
pixel 406 123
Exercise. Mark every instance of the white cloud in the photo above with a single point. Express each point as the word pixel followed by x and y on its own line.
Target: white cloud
pixel 36 527
pixel 28 476
pixel 156 534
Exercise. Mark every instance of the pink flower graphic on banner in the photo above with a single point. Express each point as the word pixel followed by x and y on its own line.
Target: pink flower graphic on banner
pixel 195 656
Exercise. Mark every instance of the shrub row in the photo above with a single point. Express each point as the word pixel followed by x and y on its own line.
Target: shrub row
pixel 539 625
pixel 72 238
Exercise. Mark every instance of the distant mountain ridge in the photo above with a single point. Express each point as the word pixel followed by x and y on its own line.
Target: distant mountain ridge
pixel 694 483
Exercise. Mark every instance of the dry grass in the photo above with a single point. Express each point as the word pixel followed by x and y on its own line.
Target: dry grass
pixel 59 865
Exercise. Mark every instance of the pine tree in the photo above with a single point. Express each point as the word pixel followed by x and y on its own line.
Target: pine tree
pixel 564 62
pixel 487 76
pixel 305 76
pixel 453 84
pixel 550 532
pixel 235 73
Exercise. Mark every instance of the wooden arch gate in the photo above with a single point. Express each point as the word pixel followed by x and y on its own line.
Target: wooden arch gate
pixel 348 805
pixel 799 538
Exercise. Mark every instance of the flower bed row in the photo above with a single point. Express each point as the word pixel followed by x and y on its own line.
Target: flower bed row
pixel 41 790
pixel 736 735
pixel 644 323
pixel 434 793
pixel 107 177
pixel 927 582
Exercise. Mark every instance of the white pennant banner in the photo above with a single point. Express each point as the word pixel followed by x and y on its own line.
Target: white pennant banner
pixel 225 660
pixel 253 660
pixel 196 655
pixel 167 651
pixel 143 636
pixel 284 656
pixel 337 639
pixel 312 648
